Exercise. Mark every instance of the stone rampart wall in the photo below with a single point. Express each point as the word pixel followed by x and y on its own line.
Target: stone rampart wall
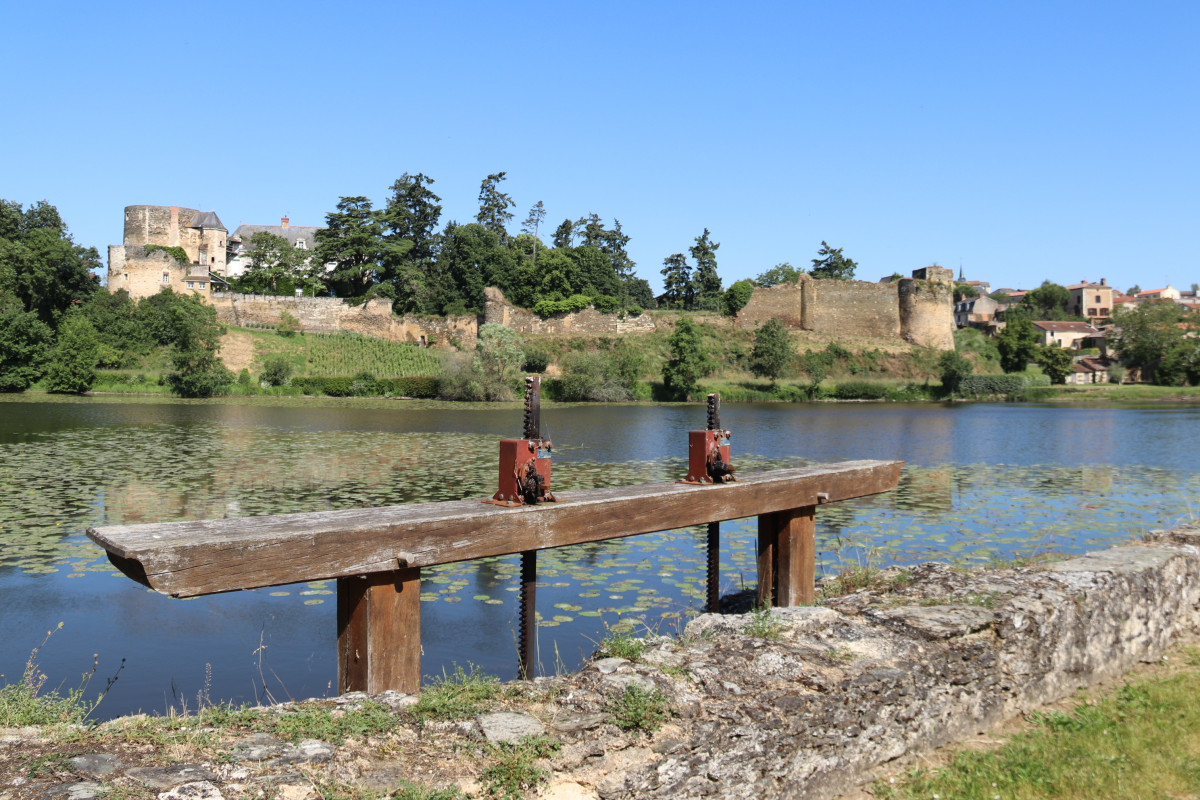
pixel 919 311
pixel 858 308
pixel 588 322
pixel 329 314
pixel 927 313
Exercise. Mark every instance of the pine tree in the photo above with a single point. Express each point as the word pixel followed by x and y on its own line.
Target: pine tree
pixel 708 282
pixel 678 288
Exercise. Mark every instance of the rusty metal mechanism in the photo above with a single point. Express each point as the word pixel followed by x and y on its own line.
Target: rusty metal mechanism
pixel 525 463
pixel 708 450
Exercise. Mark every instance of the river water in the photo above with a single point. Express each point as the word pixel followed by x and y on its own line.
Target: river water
pixel 982 481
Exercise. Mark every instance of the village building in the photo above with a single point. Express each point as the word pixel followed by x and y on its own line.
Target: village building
pixel 975 312
pixel 1093 301
pixel 301 237
pixel 1073 335
pixel 1169 293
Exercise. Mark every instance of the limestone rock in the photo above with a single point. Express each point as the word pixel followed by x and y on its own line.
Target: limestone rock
pixel 507 726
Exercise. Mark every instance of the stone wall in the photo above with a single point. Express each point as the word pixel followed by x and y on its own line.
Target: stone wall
pixel 919 311
pixel 588 322
pixel 927 313
pixel 808 711
pixel 329 314
pixel 858 308
pixel 141 274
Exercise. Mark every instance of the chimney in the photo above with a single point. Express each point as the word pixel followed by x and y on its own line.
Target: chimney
pixel 1104 281
pixel 283 222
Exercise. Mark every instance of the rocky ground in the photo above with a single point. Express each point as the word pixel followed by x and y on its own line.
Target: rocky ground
pixel 796 702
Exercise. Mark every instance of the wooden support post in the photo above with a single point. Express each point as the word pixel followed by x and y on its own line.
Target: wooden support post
pixel 787 557
pixel 379 632
pixel 714 568
pixel 527 616
pixel 795 563
pixel 767 539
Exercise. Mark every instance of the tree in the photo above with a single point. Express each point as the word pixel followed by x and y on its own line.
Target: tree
pixel 114 316
pixel 832 265
pixel 276 267
pixel 40 265
pixel 689 360
pixel 277 370
pixel 410 241
pixel 964 291
pixel 1055 362
pixel 24 347
pixel 780 273
pixel 708 282
pixel 953 367
pixel 640 294
pixel 72 367
pixel 737 295
pixel 591 231
pixel 498 358
pixel 190 326
pixel 1180 366
pixel 352 242
pixel 1018 343
pixel 772 352
pixel 1049 301
pixel 678 287
pixel 1134 290
pixel 1146 334
pixel 533 223
pixel 493 207
pixel 564 234
pixel 472 258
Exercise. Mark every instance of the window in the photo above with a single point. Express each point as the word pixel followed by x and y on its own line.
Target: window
pixel 200 285
pixel 166 277
pixel 300 244
pixel 191 285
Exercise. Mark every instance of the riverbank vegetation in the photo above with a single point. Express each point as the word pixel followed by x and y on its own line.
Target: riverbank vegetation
pixel 1136 741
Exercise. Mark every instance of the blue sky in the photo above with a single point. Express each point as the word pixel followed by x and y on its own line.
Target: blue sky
pixel 1022 140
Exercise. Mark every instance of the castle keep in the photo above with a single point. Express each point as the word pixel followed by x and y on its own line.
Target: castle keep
pixel 143 272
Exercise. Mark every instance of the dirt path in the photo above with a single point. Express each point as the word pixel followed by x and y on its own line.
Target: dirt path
pixel 237 349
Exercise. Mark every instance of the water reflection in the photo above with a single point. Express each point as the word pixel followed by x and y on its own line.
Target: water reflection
pixel 981 482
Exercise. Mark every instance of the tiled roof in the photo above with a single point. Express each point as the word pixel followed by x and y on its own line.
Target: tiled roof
pixel 208 220
pixel 1067 327
pixel 293 233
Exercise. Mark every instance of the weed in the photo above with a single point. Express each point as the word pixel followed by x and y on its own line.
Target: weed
pixel 762 624
pixel 461 694
pixel 22 703
pixel 849 581
pixel 45 765
pixel 513 770
pixel 320 722
pixel 637 709
pixel 620 643
pixel 336 790
pixel 983 600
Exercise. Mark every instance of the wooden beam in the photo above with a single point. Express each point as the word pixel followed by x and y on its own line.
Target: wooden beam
pixel 185 559
pixel 768 541
pixel 795 556
pixel 379 632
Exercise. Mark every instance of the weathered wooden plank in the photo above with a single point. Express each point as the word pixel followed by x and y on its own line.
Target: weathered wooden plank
pixel 379 632
pixel 185 559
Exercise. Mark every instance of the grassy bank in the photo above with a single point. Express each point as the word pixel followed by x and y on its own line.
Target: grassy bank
pixel 1140 740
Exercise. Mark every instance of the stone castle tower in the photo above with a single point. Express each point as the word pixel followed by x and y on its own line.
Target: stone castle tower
pixel 199 234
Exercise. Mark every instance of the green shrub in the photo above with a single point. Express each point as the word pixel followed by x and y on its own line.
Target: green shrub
pixel 548 308
pixel 244 379
pixel 536 361
pixel 634 311
pixel 1001 385
pixel 606 304
pixel 338 387
pixel 860 390
pixel 364 384
pixel 277 370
